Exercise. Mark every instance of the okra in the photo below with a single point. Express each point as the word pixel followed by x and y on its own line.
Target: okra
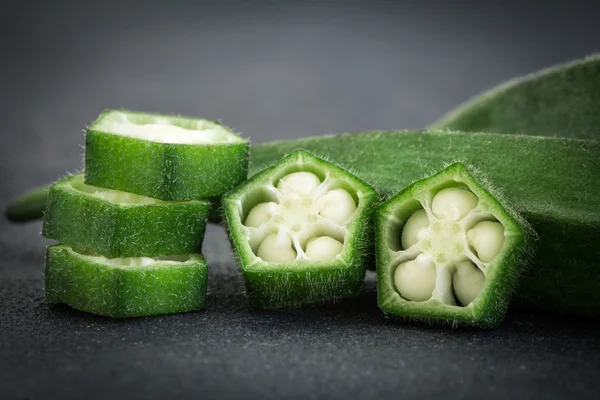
pixel 164 157
pixel 554 183
pixel 559 101
pixel 113 223
pixel 301 230
pixel 125 287
pixel 448 250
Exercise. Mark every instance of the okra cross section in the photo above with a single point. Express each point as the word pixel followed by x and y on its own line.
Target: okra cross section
pixel 164 157
pixel 125 287
pixel 448 250
pixel 113 223
pixel 301 230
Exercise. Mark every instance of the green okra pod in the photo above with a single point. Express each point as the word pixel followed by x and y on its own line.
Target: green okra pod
pixel 125 287
pixel 301 230
pixel 114 224
pixel 164 157
pixel 559 101
pixel 554 183
pixel 448 250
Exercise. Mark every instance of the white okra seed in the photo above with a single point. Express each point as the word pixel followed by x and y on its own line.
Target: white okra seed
pixel 415 279
pixel 452 204
pixel 337 205
pixel 323 248
pixel 487 238
pixel 260 214
pixel 302 183
pixel 277 247
pixel 467 282
pixel 415 228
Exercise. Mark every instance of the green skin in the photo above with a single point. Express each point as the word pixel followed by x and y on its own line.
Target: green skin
pixel 489 308
pixel 29 206
pixel 559 101
pixel 161 170
pixel 553 183
pixel 88 222
pixel 86 284
pixel 276 285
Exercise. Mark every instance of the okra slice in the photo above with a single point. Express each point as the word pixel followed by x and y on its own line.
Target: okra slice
pixel 554 183
pixel 301 229
pixel 449 251
pixel 164 157
pixel 125 287
pixel 120 224
pixel 558 101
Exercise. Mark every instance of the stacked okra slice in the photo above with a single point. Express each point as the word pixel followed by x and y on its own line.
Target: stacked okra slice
pixel 131 226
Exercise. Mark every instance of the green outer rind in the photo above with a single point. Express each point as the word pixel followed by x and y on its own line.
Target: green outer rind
pixel 118 291
pixel 161 170
pixel 553 183
pixel 271 285
pixel 489 308
pixel 558 101
pixel 28 206
pixel 112 229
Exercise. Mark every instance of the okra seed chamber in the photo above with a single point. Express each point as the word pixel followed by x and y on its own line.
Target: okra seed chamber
pixel 305 220
pixel 445 248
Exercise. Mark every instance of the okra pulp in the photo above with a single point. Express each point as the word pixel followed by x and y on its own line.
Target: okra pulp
pixel 300 229
pixel 449 251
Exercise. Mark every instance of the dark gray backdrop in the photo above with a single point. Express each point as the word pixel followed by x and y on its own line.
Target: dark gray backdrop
pixel 270 70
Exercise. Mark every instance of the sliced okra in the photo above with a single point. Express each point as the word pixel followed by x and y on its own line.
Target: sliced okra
pixel 449 251
pixel 164 157
pixel 558 101
pixel 552 182
pixel 113 223
pixel 300 229
pixel 125 287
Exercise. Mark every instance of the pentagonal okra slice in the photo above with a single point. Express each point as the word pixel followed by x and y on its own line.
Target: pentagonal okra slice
pixel 125 287
pixel 113 223
pixel 448 250
pixel 164 157
pixel 301 230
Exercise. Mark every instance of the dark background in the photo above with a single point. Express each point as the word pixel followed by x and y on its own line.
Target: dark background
pixel 270 70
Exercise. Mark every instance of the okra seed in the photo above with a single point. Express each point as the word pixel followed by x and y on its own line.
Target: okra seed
pixel 260 214
pixel 487 238
pixel 337 205
pixel 277 247
pixel 415 279
pixel 452 204
pixel 323 248
pixel 301 183
pixel 415 228
pixel 467 282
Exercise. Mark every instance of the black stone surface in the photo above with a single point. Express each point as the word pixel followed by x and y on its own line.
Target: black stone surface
pixel 270 70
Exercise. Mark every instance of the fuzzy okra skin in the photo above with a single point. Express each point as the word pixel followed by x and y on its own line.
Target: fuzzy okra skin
pixel 125 287
pixel 449 251
pixel 301 230
pixel 554 183
pixel 559 101
pixel 113 224
pixel 164 157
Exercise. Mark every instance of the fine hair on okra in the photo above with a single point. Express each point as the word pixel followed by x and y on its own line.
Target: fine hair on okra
pixel 301 230
pixel 164 157
pixel 558 101
pixel 125 287
pixel 113 223
pixel 449 251
pixel 554 183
